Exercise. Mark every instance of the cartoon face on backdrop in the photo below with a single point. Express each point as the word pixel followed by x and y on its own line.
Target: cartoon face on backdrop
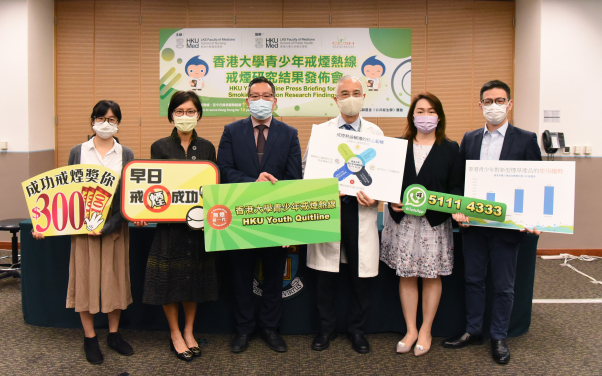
pixel 373 69
pixel 196 68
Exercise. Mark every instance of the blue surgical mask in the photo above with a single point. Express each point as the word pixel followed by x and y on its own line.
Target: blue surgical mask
pixel 260 109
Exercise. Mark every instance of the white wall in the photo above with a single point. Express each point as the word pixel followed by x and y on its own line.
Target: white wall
pixel 13 75
pixel 571 70
pixel 40 43
pixel 527 65
pixel 27 74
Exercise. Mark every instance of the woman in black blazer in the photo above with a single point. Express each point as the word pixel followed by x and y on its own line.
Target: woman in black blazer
pixel 423 246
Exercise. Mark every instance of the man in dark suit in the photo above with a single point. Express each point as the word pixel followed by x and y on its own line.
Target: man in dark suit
pixel 498 140
pixel 258 148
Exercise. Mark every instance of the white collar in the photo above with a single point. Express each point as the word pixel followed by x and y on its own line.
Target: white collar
pixel 355 125
pixel 89 145
pixel 501 129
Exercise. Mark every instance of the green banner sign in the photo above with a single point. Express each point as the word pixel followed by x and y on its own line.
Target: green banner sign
pixel 417 200
pixel 256 215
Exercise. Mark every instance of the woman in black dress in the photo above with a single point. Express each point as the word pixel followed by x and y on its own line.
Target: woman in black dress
pixel 179 269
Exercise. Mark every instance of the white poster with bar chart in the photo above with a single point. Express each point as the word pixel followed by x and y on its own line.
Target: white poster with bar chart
pixel 537 194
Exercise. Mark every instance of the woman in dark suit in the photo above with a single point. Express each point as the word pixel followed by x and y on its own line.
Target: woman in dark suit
pixel 423 247
pixel 178 268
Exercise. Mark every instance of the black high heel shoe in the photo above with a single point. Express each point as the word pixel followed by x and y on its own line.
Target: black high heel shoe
pixel 196 351
pixel 186 356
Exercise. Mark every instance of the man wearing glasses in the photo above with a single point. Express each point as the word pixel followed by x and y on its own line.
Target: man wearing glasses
pixel 358 216
pixel 258 149
pixel 498 140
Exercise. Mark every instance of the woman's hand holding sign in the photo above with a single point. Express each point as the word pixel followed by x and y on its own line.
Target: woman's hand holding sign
pixel 396 207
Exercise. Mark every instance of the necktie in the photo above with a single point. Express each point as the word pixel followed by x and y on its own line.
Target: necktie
pixel 347 199
pixel 260 141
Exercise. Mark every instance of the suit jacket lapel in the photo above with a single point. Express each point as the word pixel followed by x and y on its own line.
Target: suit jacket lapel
pixel 249 136
pixel 271 141
pixel 429 160
pixel 411 164
pixel 478 143
pixel 508 138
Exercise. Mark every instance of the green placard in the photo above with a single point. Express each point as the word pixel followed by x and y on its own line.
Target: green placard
pixel 256 215
pixel 417 200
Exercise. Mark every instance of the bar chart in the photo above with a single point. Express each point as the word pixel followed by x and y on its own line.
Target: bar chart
pixel 537 194
pixel 519 196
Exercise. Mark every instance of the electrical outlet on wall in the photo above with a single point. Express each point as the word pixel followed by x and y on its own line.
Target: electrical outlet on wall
pixel 566 150
pixel 3 145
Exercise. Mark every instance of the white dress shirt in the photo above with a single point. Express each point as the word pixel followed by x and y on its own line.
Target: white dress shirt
pixel 355 125
pixel 113 159
pixel 491 147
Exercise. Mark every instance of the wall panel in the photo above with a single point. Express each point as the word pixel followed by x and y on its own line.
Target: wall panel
pixel 308 13
pixel 117 63
pixel 409 14
pixel 209 13
pixel 74 74
pixel 493 49
pixel 354 13
pixel 265 13
pixel 450 61
pixel 104 52
pixel 156 14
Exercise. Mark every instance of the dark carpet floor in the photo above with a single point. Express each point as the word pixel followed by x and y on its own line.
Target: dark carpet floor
pixel 565 339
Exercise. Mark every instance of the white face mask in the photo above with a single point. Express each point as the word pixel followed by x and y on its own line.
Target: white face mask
pixel 105 130
pixel 495 113
pixel 351 106
pixel 185 123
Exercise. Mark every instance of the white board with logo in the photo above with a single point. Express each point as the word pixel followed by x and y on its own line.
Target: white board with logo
pixel 361 161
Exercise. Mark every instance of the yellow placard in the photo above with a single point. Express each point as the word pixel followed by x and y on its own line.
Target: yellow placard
pixel 164 190
pixel 70 200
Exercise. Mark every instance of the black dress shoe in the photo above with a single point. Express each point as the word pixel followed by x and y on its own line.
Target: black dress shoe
pixel 359 343
pixel 499 350
pixel 240 343
pixel 463 340
pixel 196 351
pixel 274 341
pixel 92 350
pixel 185 356
pixel 322 341
pixel 117 343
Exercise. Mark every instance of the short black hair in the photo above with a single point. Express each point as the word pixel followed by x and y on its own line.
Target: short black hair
pixel 495 84
pixel 180 97
pixel 258 80
pixel 102 107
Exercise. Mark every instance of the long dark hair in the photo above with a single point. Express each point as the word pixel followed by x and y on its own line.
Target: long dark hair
pixel 410 132
pixel 101 108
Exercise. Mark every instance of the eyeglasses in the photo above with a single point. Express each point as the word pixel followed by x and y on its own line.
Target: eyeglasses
pixel 489 102
pixel 102 119
pixel 267 97
pixel 179 113
pixel 355 94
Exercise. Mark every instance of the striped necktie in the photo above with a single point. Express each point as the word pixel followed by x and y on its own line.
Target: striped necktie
pixel 260 141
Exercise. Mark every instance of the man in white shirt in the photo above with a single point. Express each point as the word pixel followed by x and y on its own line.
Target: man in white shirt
pixel 358 216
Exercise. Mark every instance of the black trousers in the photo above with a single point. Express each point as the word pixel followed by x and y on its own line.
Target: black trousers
pixel 480 245
pixel 359 303
pixel 243 269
